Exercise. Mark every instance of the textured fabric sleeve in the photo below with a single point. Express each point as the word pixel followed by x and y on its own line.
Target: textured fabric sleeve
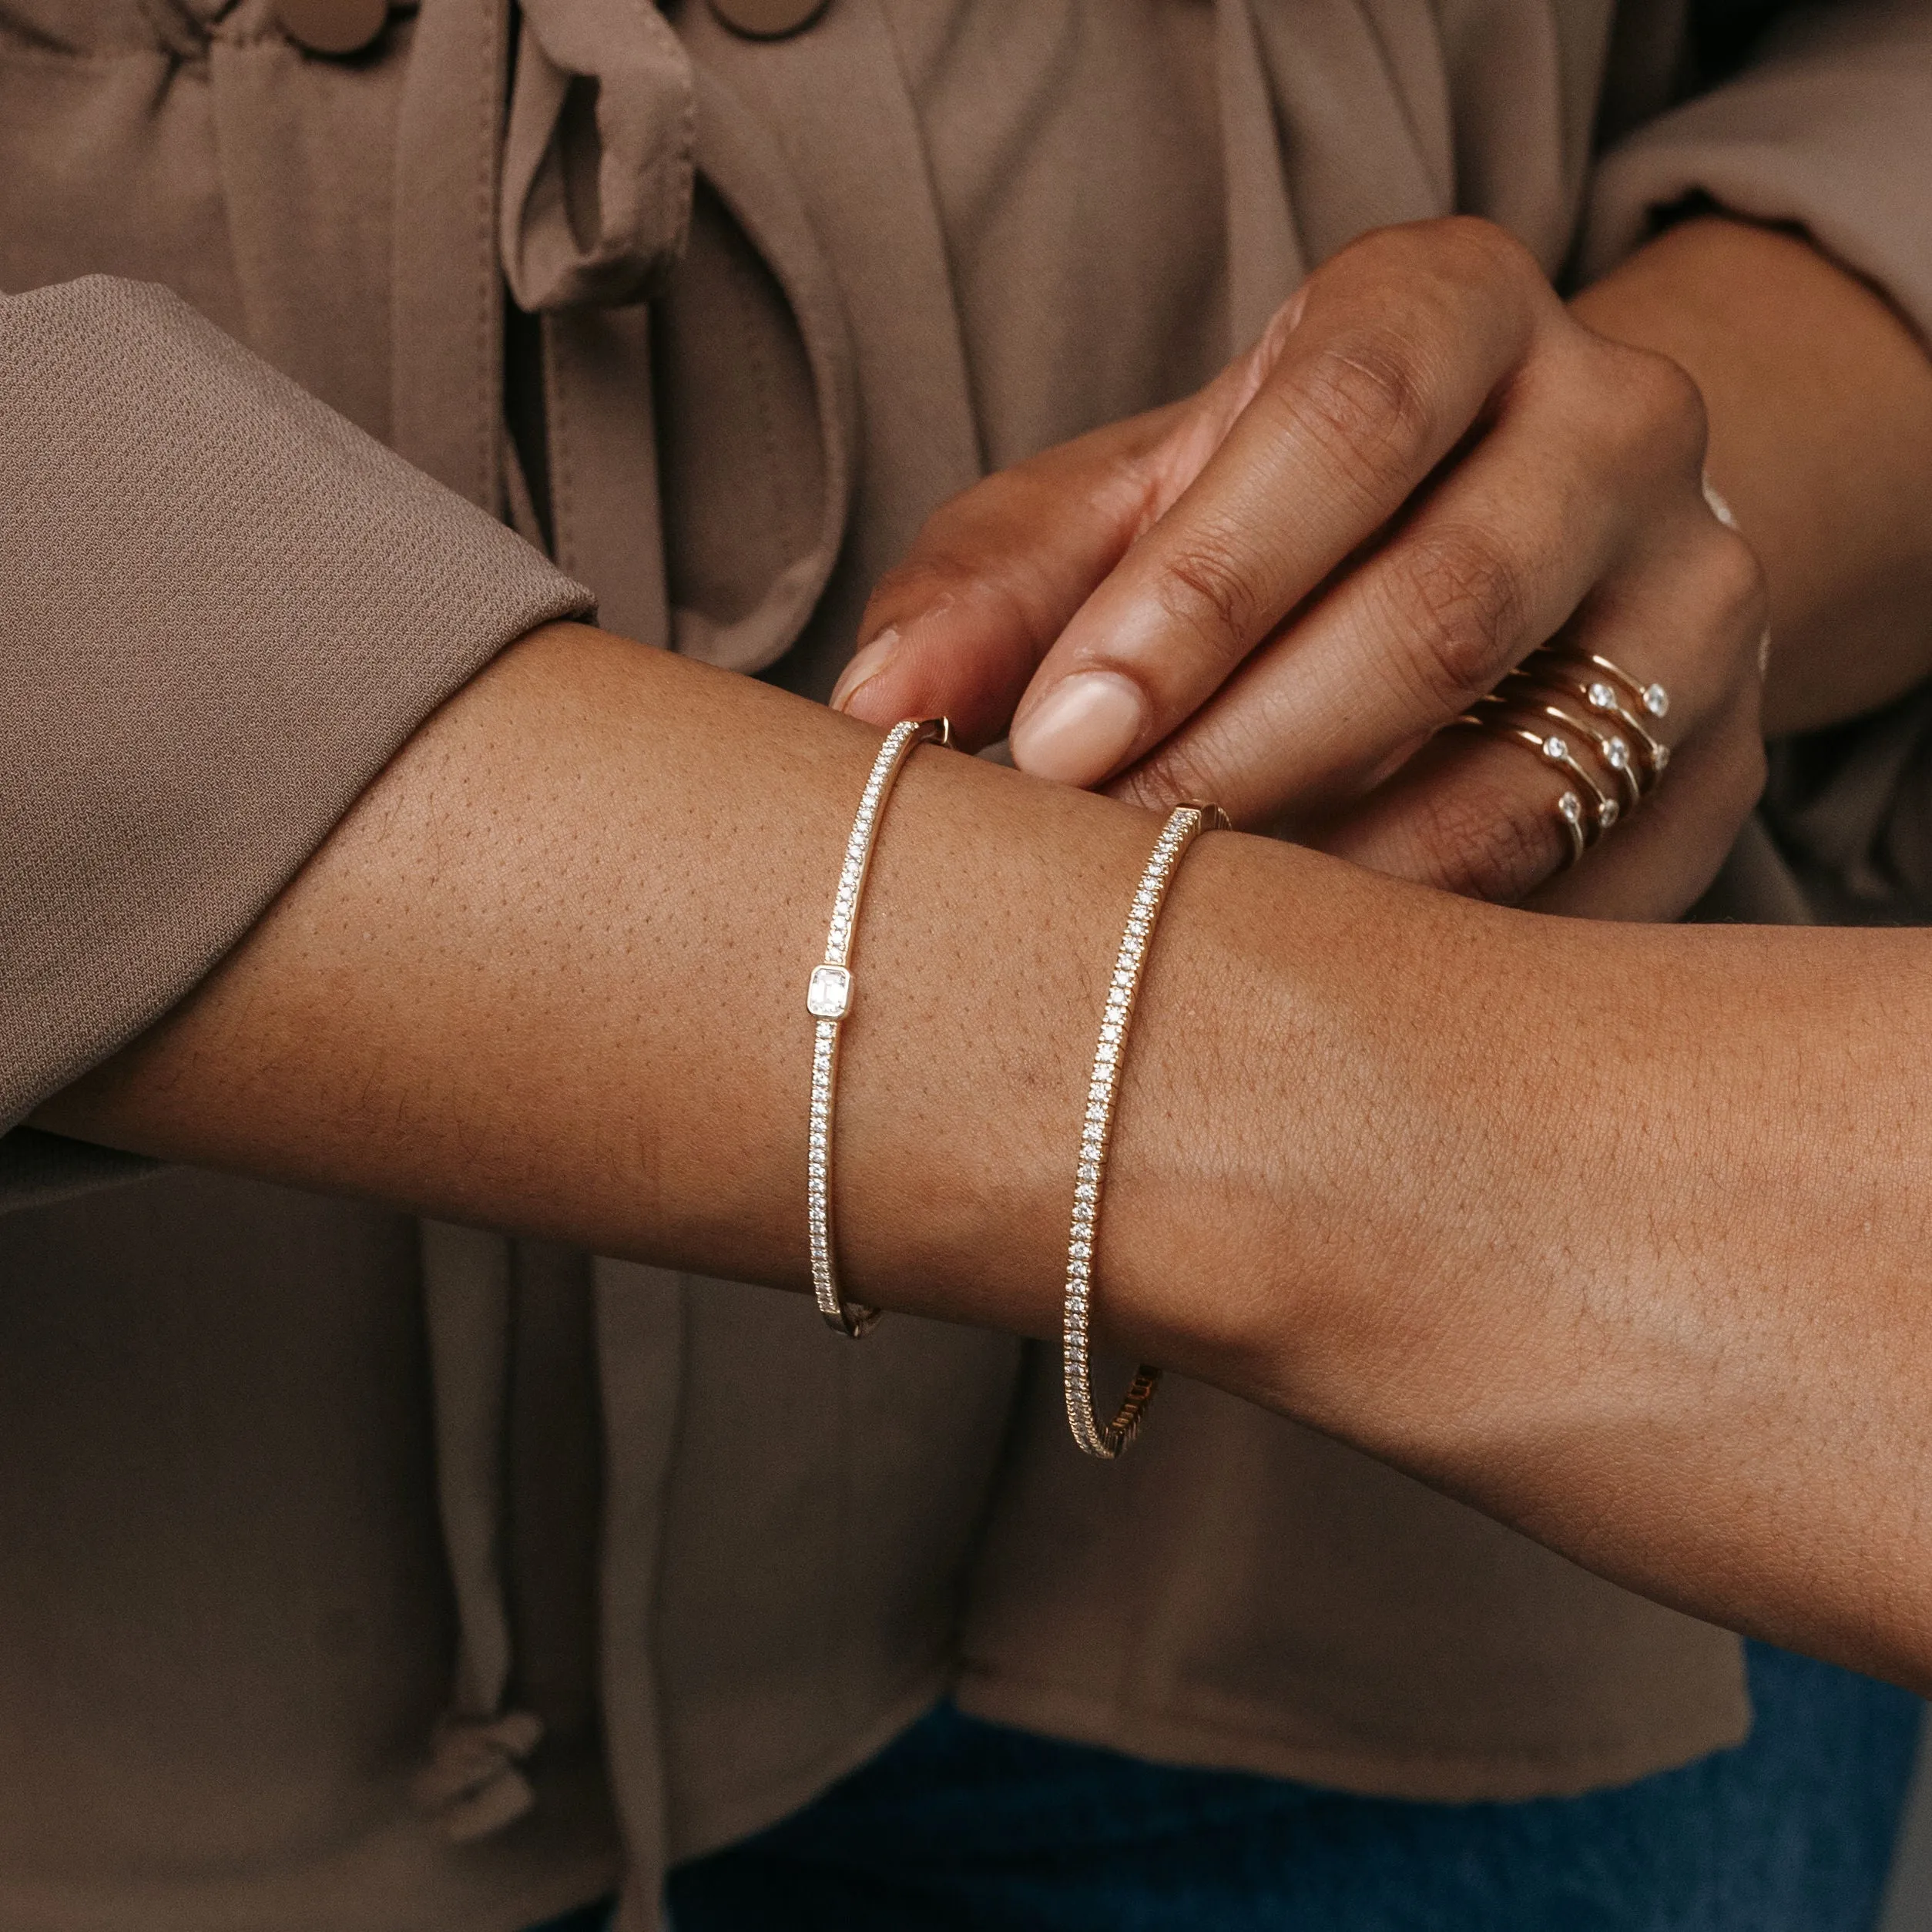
pixel 225 607
pixel 1829 126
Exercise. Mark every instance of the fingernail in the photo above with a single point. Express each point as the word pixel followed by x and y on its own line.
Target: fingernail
pixel 1080 730
pixel 865 665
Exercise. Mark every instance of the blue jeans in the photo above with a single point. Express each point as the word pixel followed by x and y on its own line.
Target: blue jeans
pixel 960 1826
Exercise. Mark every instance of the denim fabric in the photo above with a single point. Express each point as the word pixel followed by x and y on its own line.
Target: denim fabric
pixel 960 1827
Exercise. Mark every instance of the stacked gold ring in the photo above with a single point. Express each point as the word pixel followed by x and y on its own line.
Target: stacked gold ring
pixel 1537 706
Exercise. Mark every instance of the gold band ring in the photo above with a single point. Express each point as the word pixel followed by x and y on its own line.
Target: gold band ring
pixel 1530 707
pixel 1524 690
pixel 1556 748
pixel 1613 692
pixel 1583 824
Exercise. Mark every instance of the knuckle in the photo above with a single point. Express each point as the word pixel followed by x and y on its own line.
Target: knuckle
pixel 1402 306
pixel 1485 252
pixel 1721 602
pixel 1738 582
pixel 1207 587
pixel 1458 249
pixel 1662 406
pixel 1367 399
pixel 1462 597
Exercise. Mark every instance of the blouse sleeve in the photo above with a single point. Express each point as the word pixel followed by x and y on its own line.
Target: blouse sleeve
pixel 1829 126
pixel 225 609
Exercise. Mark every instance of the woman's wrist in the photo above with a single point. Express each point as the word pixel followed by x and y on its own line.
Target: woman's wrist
pixel 1820 401
pixel 1280 1151
pixel 1580 1223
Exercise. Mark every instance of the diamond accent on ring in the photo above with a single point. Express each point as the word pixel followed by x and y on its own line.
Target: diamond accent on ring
pixel 1618 752
pixel 1601 697
pixel 1569 808
pixel 1555 749
pixel 1607 812
pixel 1656 700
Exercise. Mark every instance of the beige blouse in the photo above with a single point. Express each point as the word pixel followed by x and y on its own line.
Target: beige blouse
pixel 355 1572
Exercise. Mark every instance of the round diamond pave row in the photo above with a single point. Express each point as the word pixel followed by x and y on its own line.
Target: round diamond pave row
pixel 828 998
pixel 1185 824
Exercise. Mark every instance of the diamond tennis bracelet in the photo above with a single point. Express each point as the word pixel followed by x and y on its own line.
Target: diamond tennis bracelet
pixel 1185 824
pixel 828 998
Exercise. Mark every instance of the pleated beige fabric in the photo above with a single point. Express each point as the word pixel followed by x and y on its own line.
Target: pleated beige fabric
pixel 355 1573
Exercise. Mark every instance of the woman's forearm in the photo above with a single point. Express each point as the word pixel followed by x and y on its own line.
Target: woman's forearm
pixel 1819 398
pixel 550 975
pixel 1613 1230
pixel 1636 1258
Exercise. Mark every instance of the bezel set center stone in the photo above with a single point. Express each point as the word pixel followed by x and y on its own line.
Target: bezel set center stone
pixel 828 993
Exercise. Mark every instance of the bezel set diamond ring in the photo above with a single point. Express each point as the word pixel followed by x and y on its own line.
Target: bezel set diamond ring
pixel 1591 720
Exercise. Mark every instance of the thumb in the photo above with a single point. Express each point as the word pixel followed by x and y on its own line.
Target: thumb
pixel 958 629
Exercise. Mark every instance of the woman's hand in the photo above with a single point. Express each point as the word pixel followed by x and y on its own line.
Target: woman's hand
pixel 1274 593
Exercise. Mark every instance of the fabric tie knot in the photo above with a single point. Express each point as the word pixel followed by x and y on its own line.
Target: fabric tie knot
pixel 598 158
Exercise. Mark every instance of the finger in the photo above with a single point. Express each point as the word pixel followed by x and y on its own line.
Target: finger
pixel 1476 814
pixel 958 627
pixel 1482 821
pixel 1659 863
pixel 1485 824
pixel 1488 564
pixel 1401 343
pixel 1662 862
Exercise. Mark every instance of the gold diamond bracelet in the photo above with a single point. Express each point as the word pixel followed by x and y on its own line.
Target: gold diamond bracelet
pixel 1185 824
pixel 828 998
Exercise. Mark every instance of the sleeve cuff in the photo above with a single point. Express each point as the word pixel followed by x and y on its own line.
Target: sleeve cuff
pixel 1826 129
pixel 227 610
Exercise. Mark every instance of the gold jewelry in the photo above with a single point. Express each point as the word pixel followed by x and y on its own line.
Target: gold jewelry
pixel 1613 692
pixel 1569 810
pixel 1185 823
pixel 1527 692
pixel 1520 711
pixel 828 998
pixel 1554 748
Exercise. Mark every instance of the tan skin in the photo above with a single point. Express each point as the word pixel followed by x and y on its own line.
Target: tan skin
pixel 1454 1183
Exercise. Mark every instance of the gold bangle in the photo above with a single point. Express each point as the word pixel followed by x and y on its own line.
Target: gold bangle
pixel 828 998
pixel 1184 825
